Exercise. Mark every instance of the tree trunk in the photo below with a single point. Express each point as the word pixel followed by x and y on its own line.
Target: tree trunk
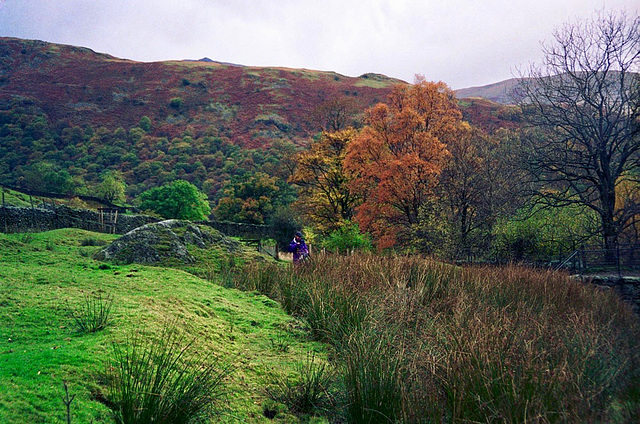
pixel 609 228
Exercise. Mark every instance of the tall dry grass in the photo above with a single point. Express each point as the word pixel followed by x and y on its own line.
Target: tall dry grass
pixel 423 341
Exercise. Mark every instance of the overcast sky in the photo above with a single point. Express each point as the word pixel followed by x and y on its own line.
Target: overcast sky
pixel 461 42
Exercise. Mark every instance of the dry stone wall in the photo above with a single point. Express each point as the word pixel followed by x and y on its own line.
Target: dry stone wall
pixel 627 287
pixel 16 220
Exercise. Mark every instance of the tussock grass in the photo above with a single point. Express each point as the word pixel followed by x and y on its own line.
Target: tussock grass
pixel 421 340
pixel 94 313
pixel 309 391
pixel 92 241
pixel 373 375
pixel 163 380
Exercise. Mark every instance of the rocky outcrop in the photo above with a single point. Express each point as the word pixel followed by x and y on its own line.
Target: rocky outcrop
pixel 165 242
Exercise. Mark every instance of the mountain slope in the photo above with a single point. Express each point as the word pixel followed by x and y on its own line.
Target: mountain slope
pixel 77 86
pixel 499 92
pixel 68 115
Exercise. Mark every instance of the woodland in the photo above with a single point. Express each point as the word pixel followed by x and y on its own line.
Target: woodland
pixel 419 171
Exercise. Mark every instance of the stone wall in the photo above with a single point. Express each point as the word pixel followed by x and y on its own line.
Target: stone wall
pixel 627 287
pixel 17 220
pixel 50 217
pixel 235 229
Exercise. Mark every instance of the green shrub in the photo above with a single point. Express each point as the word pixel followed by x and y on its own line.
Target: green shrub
pixel 535 232
pixel 347 238
pixel 175 103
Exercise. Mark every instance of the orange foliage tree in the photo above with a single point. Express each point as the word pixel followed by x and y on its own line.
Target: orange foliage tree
pixel 395 161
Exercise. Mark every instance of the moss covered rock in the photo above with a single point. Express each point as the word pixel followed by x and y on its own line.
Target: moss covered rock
pixel 165 241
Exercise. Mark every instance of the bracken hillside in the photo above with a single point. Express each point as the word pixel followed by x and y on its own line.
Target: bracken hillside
pixel 251 105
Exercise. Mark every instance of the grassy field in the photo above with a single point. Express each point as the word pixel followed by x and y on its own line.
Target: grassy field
pixel 409 339
pixel 46 278
pixel 19 199
pixel 14 198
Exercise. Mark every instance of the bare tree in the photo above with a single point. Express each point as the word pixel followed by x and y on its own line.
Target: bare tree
pixel 584 100
pixel 336 114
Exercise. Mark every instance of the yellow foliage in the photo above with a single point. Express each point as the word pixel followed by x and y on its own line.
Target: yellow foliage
pixel 325 198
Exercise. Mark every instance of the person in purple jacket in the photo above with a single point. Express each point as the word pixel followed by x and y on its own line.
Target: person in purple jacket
pixel 299 248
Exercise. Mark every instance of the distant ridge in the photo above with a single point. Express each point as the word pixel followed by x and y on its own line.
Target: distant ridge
pixel 499 92
pixel 208 60
pixel 253 106
pixel 503 92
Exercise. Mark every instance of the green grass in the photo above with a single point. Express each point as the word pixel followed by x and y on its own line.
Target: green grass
pixel 374 81
pixel 15 198
pixel 40 346
pixel 19 199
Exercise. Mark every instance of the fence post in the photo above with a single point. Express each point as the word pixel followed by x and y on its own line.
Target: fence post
pixel 33 213
pixel 4 212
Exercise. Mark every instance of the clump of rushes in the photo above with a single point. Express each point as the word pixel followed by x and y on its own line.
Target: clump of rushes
pixel 94 313
pixel 463 344
pixel 373 379
pixel 92 241
pixel 163 380
pixel 309 391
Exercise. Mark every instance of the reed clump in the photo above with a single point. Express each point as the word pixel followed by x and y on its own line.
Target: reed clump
pixel 164 380
pixel 93 314
pixel 423 341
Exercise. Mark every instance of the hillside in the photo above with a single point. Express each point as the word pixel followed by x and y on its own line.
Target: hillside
pixel 48 277
pixel 69 114
pixel 254 105
pixel 499 92
pixel 78 86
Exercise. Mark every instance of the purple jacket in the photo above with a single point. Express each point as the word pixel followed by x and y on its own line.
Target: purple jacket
pixel 299 249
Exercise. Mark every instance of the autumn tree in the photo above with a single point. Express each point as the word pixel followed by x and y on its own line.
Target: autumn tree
pixel 464 191
pixel 324 196
pixel 585 101
pixel 249 199
pixel 480 182
pixel 397 158
pixel 629 193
